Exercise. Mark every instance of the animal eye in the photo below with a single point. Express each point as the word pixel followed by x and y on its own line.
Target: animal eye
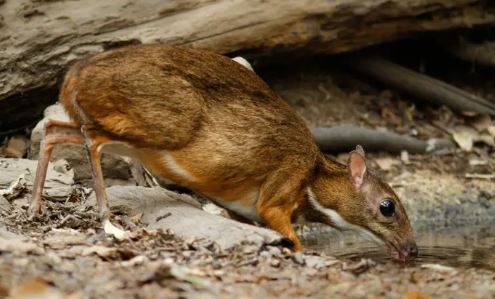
pixel 387 208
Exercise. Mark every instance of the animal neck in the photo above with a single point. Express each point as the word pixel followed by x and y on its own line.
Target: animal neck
pixel 323 206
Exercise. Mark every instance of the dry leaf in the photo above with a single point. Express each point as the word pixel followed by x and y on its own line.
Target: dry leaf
pixel 38 289
pixel 16 188
pixel 491 130
pixel 480 122
pixel 101 251
pixel 414 295
pixel 464 137
pixel 386 163
pixel 439 268
pixel 404 156
pixel 480 176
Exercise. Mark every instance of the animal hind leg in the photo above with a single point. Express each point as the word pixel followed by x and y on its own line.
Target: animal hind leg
pixel 54 132
pixel 94 139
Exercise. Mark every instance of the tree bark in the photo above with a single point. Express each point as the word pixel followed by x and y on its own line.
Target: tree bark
pixel 39 38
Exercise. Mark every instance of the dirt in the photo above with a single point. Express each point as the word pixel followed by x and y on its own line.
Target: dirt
pixel 66 258
pixel 61 256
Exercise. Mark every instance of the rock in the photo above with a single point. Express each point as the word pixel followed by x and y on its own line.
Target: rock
pixel 184 216
pixel 316 262
pixel 298 258
pixel 4 204
pixel 114 167
pixel 17 177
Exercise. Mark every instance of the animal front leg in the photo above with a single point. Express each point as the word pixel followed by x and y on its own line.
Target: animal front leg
pixel 278 219
pixel 278 199
pixel 55 132
pixel 94 140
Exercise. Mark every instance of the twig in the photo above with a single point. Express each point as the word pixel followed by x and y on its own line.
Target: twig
pixel 419 85
pixel 346 137
pixel 480 176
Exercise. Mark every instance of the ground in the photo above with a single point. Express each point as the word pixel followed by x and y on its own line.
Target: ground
pixel 63 257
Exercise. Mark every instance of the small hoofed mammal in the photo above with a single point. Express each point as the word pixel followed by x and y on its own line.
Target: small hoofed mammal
pixel 208 123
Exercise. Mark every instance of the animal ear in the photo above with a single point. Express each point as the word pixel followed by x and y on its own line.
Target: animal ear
pixel 357 166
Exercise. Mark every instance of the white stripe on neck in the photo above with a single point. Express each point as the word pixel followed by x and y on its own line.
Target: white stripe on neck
pixel 338 221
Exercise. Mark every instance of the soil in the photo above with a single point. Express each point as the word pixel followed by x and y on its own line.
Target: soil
pixel 60 256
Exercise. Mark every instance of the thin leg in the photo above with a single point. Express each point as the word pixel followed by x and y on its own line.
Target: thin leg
pixel 55 132
pixel 94 140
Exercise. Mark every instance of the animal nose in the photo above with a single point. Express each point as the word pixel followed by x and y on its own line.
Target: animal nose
pixel 412 249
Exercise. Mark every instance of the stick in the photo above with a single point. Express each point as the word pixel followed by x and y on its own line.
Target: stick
pixel 419 85
pixel 346 137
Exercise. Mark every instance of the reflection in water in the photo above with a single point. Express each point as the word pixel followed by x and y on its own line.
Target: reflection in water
pixel 466 246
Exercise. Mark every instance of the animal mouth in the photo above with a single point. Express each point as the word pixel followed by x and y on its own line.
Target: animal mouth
pixel 396 252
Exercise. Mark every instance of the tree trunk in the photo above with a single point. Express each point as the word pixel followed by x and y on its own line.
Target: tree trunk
pixel 39 38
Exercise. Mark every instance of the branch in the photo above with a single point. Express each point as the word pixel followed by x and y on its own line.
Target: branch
pixel 419 85
pixel 345 138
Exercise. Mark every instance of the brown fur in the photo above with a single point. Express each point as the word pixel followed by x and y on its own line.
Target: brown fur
pixel 219 122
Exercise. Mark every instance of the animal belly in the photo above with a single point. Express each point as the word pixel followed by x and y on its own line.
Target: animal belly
pixel 244 208
pixel 239 196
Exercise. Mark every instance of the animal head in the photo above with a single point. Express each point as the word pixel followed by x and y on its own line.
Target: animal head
pixel 352 198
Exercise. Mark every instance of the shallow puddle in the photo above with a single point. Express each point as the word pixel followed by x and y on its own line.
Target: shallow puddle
pixel 465 246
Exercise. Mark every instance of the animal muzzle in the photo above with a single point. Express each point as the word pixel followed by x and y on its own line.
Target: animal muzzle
pixel 404 252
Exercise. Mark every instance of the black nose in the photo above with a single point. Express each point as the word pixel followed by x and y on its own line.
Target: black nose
pixel 412 249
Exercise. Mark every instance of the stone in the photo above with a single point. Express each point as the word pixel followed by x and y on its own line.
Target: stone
pixel 20 173
pixel 184 216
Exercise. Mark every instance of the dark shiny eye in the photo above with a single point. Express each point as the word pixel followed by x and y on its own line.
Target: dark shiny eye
pixel 387 208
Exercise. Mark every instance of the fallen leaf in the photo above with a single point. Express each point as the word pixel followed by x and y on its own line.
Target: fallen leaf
pixel 477 162
pixel 464 137
pixel 439 268
pixel 414 295
pixel 480 122
pixel 4 291
pixel 491 130
pixel 184 274
pixel 482 176
pixel 404 156
pixel 16 188
pixel 416 277
pixel 357 268
pixel 386 163
pixel 101 251
pixel 36 289
pixel 137 260
pixel 486 139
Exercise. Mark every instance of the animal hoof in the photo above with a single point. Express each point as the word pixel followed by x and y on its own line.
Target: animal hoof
pixel 286 242
pixel 35 211
pixel 116 232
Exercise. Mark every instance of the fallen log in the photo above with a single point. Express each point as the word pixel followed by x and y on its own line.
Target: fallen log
pixel 419 85
pixel 345 138
pixel 40 38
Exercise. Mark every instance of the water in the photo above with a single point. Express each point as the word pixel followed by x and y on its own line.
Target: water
pixel 465 246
